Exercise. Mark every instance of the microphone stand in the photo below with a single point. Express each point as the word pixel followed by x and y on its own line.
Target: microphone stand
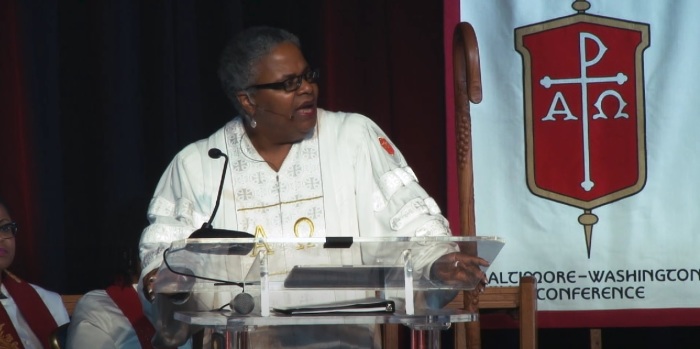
pixel 243 303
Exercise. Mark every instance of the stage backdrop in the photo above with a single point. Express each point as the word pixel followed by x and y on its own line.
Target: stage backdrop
pixel 586 156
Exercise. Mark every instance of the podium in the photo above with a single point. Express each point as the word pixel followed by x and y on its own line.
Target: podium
pixel 319 281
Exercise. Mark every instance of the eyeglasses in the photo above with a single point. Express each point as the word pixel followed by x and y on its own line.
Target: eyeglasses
pixel 8 231
pixel 292 84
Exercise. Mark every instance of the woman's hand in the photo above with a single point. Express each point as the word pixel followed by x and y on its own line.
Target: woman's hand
pixel 148 281
pixel 459 268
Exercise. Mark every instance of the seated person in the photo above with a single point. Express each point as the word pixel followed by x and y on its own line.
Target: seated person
pixel 113 317
pixel 29 313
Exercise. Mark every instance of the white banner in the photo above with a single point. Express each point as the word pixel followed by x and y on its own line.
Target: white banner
pixel 602 124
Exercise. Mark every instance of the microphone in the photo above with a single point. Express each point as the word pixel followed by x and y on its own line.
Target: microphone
pixel 290 117
pixel 243 303
pixel 216 153
pixel 208 231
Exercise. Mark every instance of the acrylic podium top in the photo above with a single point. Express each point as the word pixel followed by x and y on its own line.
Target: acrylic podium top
pixel 364 263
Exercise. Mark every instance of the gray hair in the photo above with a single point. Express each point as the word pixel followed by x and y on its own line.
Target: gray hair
pixel 237 64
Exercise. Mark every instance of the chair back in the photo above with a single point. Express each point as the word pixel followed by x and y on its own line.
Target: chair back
pixel 69 301
pixel 57 340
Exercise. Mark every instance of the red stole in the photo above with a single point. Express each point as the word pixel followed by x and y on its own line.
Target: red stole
pixel 128 302
pixel 8 335
pixel 32 308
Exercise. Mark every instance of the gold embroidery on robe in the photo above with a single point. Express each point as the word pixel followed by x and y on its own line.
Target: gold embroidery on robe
pixel 260 234
pixel 298 226
pixel 279 204
pixel 6 340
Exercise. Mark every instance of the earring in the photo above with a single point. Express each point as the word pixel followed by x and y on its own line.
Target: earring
pixel 253 123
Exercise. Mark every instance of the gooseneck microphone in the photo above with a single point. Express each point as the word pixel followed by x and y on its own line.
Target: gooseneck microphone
pixel 216 153
pixel 243 303
pixel 208 231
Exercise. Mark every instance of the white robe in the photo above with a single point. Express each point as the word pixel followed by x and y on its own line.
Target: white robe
pixel 52 301
pixel 346 177
pixel 97 322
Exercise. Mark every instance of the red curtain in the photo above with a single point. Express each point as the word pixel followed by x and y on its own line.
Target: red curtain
pixel 451 15
pixel 384 59
pixel 16 169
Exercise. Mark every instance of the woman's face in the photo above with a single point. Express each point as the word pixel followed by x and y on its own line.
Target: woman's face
pixel 281 116
pixel 7 244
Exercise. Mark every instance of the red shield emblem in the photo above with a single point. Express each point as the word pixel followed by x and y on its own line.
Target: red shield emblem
pixel 584 110
pixel 386 145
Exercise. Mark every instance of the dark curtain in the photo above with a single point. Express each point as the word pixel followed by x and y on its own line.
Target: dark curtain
pixel 97 97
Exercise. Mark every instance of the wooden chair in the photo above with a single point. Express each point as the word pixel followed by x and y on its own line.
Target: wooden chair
pixel 69 301
pixel 57 340
pixel 467 88
pixel 517 304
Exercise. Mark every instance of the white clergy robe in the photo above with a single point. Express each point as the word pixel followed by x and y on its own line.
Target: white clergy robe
pixel 346 177
pixel 52 301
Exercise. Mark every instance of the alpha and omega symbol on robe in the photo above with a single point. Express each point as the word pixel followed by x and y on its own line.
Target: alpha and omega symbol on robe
pixel 260 235
pixel 560 107
pixel 303 228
